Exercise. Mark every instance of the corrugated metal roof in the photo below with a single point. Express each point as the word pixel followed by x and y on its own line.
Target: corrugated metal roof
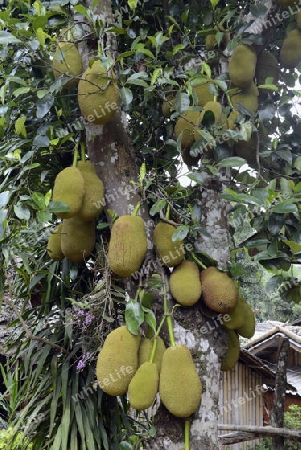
pixel 265 335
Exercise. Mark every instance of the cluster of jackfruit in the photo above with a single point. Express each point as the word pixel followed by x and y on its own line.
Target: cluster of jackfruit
pixel 240 322
pixel 126 364
pixel 83 192
pixel 67 60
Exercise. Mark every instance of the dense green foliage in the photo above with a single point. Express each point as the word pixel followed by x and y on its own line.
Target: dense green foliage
pixel 74 306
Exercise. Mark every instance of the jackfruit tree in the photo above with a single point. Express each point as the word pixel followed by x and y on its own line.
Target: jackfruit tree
pixel 138 139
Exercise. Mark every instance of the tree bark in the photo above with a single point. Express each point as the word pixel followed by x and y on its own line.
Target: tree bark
pixel 253 432
pixel 277 415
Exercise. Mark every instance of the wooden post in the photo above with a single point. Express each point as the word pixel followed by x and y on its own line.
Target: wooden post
pixel 277 415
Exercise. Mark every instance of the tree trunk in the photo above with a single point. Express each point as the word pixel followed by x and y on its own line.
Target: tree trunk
pixel 277 416
pixel 109 148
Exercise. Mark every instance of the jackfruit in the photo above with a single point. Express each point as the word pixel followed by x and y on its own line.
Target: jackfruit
pixel 168 105
pixel 236 316
pixel 54 244
pixel 98 95
pixel 143 387
pixel 77 238
pixel 242 65
pixel 290 53
pixel 128 245
pixel 267 67
pixel 247 330
pixel 219 117
pixel 69 188
pixel 203 94
pixel 170 253
pixel 67 61
pixel 232 354
pixel 211 39
pixel 185 285
pixel 248 97
pixel 247 149
pixel 93 200
pixel 232 119
pixel 188 159
pixel 117 361
pixel 180 387
pixel 146 348
pixel 218 290
pixel 186 125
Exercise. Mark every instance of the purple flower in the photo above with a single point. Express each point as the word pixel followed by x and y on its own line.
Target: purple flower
pixel 80 365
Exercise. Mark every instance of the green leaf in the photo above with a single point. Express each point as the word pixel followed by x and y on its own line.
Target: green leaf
pixel 150 319
pixel 82 10
pixel 142 172
pixel 20 91
pixel 198 177
pixel 297 163
pixel 134 316
pixel 3 222
pixel 21 212
pixel 214 3
pixel 293 295
pixel 284 207
pixel 8 38
pixel 132 3
pixel 4 198
pixel 41 36
pixel 43 105
pixel 20 127
pixel 124 446
pixel 295 248
pixel 180 233
pixel 39 200
pixel 56 206
pixel 157 207
pixel 234 161
pixel 178 48
pixel 275 223
pixel 126 97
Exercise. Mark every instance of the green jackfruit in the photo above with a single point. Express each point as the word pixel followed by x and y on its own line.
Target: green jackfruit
pixel 267 67
pixel 185 284
pixel 247 149
pixel 218 290
pixel 67 61
pixel 98 94
pixel 188 159
pixel 54 244
pixel 168 105
pixel 170 253
pixel 117 361
pixel 146 348
pixel 143 387
pixel 236 316
pixel 232 119
pixel 242 65
pixel 290 53
pixel 77 238
pixel 186 125
pixel 69 188
pixel 93 201
pixel 218 118
pixel 180 387
pixel 232 354
pixel 247 330
pixel 248 97
pixel 203 94
pixel 128 245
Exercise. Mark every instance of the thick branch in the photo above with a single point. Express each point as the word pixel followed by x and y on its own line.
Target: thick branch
pixel 259 432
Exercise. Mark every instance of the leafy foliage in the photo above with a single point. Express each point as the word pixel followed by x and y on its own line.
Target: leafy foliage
pixel 161 56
